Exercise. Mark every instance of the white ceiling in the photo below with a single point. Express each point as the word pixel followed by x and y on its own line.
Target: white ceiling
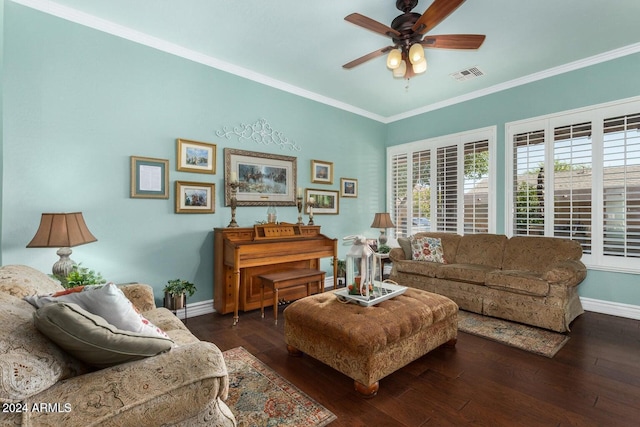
pixel 300 46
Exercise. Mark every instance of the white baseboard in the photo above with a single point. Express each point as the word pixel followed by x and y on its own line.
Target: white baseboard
pixel 612 308
pixel 589 304
pixel 196 309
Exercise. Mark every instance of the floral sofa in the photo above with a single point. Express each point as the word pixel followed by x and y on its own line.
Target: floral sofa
pixel 42 385
pixel 531 280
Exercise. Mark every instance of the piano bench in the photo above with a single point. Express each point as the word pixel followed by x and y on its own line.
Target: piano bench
pixel 288 279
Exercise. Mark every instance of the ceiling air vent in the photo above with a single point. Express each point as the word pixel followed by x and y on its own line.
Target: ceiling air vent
pixel 469 73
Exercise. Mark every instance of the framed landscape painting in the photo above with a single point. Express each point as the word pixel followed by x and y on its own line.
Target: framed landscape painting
pixel 263 179
pixel 195 197
pixel 321 172
pixel 194 156
pixel 325 201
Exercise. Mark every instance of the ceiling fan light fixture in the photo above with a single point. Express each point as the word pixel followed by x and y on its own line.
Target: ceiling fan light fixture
pixel 420 67
pixel 394 58
pixel 401 70
pixel 416 53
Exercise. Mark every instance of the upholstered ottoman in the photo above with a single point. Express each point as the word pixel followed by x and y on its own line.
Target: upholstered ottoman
pixel 369 343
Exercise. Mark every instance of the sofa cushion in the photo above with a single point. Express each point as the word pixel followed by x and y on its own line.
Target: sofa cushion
pixel 21 280
pixel 449 241
pixel 536 253
pixel 422 268
pixel 518 281
pixel 427 249
pixel 106 301
pixel 91 339
pixel 29 363
pixel 470 273
pixel 481 249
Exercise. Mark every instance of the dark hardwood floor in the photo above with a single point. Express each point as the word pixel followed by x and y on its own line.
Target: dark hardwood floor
pixel 594 380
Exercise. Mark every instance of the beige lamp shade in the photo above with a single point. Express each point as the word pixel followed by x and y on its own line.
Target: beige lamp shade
pixel 62 230
pixel 382 220
pixel 59 230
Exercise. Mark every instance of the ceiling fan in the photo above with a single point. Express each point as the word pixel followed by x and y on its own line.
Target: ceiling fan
pixel 407 31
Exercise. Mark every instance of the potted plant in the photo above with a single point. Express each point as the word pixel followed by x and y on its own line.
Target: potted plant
pixel 176 292
pixel 81 276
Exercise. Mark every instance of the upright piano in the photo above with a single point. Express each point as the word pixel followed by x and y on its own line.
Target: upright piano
pixel 241 254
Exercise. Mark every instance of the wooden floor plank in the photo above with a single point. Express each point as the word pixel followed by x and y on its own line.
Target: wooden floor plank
pixel 594 379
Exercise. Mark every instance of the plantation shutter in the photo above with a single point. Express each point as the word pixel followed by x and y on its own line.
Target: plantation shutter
pixel 421 190
pixel 621 179
pixel 447 189
pixel 572 151
pixel 399 181
pixel 528 183
pixel 476 187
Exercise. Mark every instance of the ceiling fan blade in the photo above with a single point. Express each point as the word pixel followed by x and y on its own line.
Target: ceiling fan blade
pixel 438 10
pixel 454 41
pixel 367 57
pixel 370 24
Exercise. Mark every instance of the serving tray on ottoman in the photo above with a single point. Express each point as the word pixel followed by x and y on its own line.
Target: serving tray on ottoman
pixel 381 292
pixel 369 343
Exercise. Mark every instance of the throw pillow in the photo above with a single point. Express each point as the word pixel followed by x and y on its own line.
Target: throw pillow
pixel 92 339
pixel 106 301
pixel 405 244
pixel 428 249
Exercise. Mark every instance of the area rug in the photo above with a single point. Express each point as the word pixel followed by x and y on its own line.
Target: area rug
pixel 534 340
pixel 258 396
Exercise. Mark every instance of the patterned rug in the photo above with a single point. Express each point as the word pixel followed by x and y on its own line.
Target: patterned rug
pixel 258 396
pixel 534 340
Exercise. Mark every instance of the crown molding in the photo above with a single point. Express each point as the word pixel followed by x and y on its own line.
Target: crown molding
pixel 121 31
pixel 565 68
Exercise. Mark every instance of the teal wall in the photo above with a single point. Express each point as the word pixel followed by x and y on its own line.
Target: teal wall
pixel 609 81
pixel 1 111
pixel 79 102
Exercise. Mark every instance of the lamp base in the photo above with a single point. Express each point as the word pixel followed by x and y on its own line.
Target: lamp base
pixel 382 239
pixel 64 265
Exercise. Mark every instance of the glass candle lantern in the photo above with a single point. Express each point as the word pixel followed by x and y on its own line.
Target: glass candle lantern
pixel 359 266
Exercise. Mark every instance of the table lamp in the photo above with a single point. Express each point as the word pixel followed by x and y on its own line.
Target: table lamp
pixel 62 230
pixel 382 220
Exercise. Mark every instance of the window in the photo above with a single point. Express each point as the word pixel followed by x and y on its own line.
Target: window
pixel 440 194
pixel 621 184
pixel 576 175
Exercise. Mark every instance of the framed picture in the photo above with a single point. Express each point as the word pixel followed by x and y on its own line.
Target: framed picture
pixel 194 156
pixel 321 172
pixel 263 179
pixel 325 201
pixel 348 187
pixel 195 197
pixel 149 178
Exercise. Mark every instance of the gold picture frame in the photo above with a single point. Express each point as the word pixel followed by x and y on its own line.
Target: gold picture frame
pixel 321 172
pixel 348 187
pixel 195 197
pixel 149 178
pixel 326 202
pixel 195 156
